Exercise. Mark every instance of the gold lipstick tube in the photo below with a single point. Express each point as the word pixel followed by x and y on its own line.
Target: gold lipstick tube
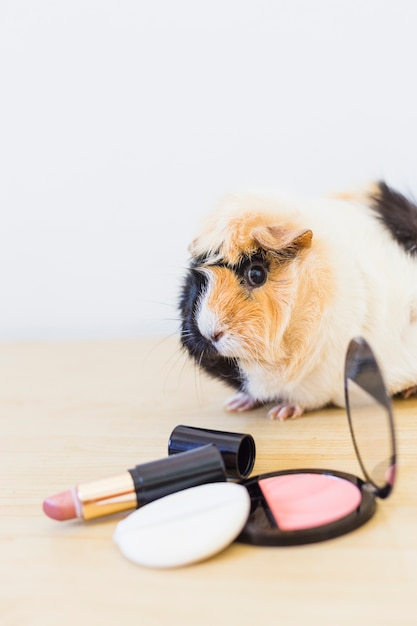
pixel 148 482
pixel 106 496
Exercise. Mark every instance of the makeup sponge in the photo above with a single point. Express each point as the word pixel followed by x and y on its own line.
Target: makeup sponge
pixel 184 527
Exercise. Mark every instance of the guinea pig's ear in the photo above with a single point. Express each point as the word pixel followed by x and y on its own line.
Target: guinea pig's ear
pixel 279 238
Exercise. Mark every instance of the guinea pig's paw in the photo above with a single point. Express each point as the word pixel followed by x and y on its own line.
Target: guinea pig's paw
pixel 283 412
pixel 241 401
pixel 408 393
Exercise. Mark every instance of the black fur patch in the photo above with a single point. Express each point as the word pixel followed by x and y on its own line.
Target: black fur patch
pixel 399 215
pixel 198 347
pixel 245 261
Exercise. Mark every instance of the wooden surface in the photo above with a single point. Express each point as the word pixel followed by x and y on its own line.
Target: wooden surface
pixel 74 412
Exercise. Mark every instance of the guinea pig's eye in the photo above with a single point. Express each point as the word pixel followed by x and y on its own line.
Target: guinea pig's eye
pixel 256 275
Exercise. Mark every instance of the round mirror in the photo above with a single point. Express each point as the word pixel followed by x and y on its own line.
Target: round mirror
pixel 369 412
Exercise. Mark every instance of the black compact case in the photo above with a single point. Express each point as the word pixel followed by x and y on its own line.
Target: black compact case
pixel 372 429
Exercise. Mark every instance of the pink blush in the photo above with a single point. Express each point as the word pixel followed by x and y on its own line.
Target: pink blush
pixel 299 501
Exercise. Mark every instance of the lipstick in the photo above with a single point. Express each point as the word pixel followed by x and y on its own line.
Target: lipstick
pixel 138 486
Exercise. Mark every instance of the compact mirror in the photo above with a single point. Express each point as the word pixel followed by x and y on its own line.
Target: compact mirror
pixel 370 417
pixel 297 506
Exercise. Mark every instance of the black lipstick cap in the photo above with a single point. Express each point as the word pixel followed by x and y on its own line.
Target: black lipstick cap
pixel 237 449
pixel 160 478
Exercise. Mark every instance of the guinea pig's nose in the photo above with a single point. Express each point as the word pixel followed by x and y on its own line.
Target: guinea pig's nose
pixel 217 335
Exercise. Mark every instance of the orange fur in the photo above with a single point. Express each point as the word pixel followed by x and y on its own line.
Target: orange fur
pixel 276 324
pixel 229 231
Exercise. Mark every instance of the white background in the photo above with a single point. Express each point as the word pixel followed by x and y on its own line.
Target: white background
pixel 122 122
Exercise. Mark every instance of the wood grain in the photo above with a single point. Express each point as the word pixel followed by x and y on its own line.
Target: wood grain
pixel 76 411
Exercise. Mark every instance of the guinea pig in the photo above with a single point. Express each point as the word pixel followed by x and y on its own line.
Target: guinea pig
pixel 277 286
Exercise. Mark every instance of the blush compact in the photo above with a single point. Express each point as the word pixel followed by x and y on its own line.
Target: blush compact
pixel 293 507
